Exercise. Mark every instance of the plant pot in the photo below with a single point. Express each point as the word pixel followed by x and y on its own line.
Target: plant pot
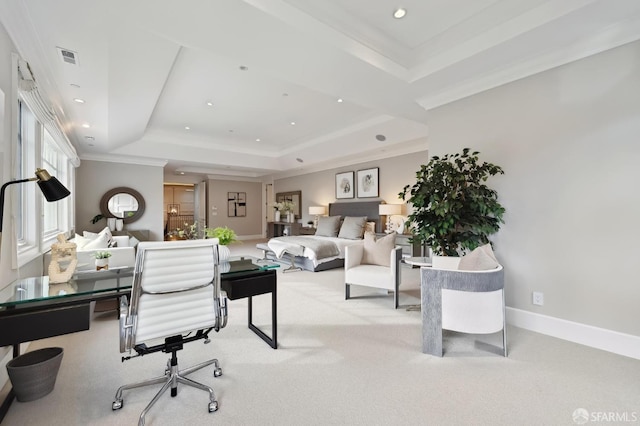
pixel 276 216
pixel 102 264
pixel 223 253
pixel 33 374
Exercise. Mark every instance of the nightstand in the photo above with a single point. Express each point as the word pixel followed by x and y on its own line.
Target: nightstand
pixel 306 231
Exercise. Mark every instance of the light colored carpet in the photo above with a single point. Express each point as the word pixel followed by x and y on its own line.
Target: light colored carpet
pixel 355 362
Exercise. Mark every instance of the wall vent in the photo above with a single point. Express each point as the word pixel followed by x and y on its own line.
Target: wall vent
pixel 68 56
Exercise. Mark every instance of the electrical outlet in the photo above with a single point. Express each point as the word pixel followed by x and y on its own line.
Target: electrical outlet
pixel 538 298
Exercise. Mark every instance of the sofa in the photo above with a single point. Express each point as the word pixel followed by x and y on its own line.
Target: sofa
pixel 122 249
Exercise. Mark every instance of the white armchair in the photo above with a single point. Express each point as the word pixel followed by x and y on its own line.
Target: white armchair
pixel 467 301
pixel 380 270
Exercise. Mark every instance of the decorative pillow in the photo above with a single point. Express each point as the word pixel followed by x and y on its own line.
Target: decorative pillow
pixel 84 243
pixel 328 226
pixel 378 252
pixel 133 242
pixel 106 230
pixel 353 227
pixel 370 227
pixel 480 259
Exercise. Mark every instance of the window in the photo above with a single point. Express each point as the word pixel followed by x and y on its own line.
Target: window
pixel 38 222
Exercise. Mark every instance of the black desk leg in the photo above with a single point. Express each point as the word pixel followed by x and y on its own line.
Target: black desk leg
pixel 6 404
pixel 272 341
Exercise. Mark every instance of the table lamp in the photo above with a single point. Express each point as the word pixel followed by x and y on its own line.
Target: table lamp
pixel 317 211
pixel 388 210
pixel 51 188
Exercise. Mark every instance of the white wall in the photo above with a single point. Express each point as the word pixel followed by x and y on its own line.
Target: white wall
pixel 94 178
pixel 568 140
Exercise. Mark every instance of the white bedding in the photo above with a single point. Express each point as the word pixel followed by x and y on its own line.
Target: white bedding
pixel 280 246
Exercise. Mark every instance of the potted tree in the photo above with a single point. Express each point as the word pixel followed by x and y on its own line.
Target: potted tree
pixel 454 211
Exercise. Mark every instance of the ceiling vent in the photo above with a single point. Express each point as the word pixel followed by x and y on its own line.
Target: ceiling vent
pixel 68 56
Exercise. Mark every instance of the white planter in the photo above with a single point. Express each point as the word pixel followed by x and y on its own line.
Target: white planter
pixel 276 216
pixel 102 263
pixel 111 222
pixel 119 224
pixel 292 217
pixel 223 253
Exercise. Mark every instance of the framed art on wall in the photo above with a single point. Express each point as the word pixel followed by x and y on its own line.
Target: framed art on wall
pixel 344 185
pixel 368 183
pixel 237 204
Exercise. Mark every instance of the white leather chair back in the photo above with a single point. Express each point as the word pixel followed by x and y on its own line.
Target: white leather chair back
pixel 176 286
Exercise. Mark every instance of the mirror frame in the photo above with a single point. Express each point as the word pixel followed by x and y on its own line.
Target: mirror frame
pixel 298 212
pixel 104 203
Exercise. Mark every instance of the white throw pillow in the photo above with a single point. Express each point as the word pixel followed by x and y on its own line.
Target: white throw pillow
pixel 88 244
pixel 480 259
pixel 378 251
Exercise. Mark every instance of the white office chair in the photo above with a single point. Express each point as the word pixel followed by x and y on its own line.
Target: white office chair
pixel 372 275
pixel 463 301
pixel 175 296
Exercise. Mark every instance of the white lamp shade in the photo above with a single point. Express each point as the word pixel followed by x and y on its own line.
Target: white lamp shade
pixel 389 209
pixel 317 210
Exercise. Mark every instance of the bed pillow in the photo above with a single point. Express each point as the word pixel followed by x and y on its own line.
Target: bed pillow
pixel 378 251
pixel 93 235
pixel 480 259
pixel 328 226
pixel 353 227
pixel 370 227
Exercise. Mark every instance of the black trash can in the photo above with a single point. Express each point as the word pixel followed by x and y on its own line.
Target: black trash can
pixel 33 374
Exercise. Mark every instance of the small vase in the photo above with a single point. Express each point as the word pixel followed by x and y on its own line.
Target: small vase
pixel 119 224
pixel 276 216
pixel 102 264
pixel 292 217
pixel 111 222
pixel 223 253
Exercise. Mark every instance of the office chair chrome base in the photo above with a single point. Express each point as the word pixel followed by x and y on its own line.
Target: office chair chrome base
pixel 172 376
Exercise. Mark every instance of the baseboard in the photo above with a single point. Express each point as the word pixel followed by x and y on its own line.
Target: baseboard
pixel 595 337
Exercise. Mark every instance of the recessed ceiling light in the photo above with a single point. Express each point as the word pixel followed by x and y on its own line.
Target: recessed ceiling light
pixel 210 103
pixel 399 13
pixel 78 100
pixel 187 128
pixel 340 100
pixel 181 173
pixel 285 94
pixel 74 85
pixel 381 138
pixel 86 125
pixel 90 138
pixel 293 123
pixel 299 160
pixel 243 68
pixel 258 140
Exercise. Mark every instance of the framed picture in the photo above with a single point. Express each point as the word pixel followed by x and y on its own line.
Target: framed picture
pixel 237 204
pixel 344 185
pixel 368 183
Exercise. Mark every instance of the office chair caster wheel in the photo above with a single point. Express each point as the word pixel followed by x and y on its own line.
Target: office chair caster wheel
pixel 213 406
pixel 217 372
pixel 117 404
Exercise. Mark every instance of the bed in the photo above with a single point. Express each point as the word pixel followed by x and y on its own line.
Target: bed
pixel 303 250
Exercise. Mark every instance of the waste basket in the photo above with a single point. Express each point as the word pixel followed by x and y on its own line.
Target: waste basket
pixel 33 374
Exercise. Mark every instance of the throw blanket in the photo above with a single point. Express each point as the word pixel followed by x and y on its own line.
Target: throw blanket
pixel 296 246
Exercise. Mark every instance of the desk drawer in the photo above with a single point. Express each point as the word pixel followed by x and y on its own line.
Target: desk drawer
pixel 29 326
pixel 249 285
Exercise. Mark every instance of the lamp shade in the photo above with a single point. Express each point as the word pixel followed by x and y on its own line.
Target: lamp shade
pixel 317 210
pixel 389 209
pixel 51 187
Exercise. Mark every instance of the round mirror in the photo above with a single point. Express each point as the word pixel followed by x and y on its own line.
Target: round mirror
pixel 122 203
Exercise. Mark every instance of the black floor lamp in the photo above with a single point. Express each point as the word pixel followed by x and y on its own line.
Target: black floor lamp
pixel 51 188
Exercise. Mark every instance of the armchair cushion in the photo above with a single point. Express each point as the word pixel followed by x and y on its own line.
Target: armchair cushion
pixel 480 259
pixel 101 241
pixel 376 251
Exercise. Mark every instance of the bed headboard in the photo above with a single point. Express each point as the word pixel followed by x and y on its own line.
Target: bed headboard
pixel 365 208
